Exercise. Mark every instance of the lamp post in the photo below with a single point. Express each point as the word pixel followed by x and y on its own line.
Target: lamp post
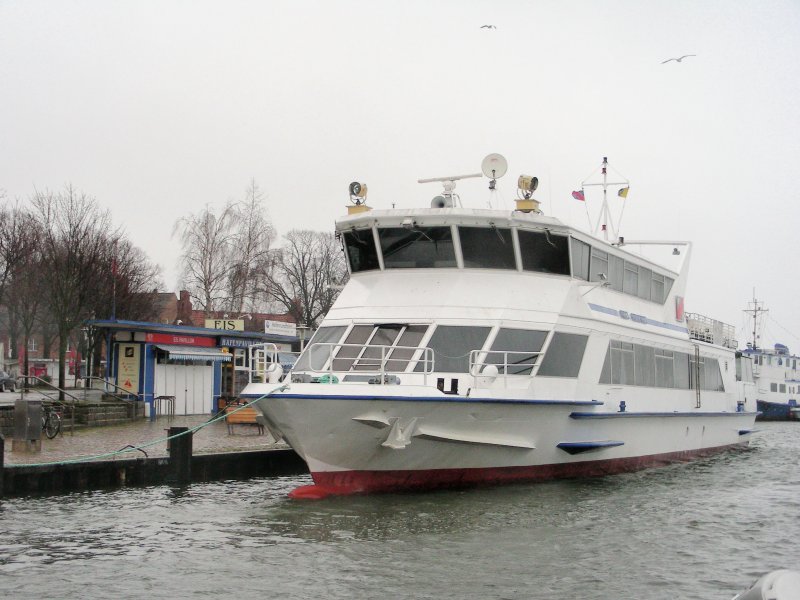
pixel 302 329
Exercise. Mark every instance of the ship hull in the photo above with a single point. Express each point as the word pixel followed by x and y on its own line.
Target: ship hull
pixel 776 411
pixel 371 443
pixel 351 482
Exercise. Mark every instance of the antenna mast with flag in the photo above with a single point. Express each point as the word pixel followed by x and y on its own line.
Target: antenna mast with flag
pixel 756 309
pixel 604 219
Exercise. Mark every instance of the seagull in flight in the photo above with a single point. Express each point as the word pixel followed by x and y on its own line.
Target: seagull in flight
pixel 488 27
pixel 677 59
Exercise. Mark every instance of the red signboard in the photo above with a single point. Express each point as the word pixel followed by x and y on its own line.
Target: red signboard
pixel 180 340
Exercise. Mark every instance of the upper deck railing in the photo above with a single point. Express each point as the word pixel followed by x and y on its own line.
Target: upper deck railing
pixel 522 363
pixel 382 364
pixel 706 329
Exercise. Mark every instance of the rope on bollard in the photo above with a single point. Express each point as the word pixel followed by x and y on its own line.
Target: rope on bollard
pixel 131 448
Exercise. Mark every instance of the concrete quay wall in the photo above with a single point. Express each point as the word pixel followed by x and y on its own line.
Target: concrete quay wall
pixel 22 480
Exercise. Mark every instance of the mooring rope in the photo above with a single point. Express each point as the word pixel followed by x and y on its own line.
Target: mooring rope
pixel 131 448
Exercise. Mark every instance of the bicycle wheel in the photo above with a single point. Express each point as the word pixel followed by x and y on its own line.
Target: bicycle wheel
pixel 52 425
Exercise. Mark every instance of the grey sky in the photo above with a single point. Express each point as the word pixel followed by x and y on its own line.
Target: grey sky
pixel 158 108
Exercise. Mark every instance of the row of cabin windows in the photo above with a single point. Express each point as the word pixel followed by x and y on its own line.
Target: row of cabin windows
pixel 593 264
pixel 493 248
pixel 514 350
pixel 760 359
pixel 637 364
pixel 781 388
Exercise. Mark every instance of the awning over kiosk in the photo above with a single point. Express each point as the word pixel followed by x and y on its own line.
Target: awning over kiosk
pixel 194 353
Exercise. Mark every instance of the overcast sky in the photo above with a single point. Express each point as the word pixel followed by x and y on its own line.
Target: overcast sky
pixel 159 108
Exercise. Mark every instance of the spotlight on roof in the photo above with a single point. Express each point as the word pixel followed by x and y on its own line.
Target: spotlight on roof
pixel 526 185
pixel 358 196
pixel 358 192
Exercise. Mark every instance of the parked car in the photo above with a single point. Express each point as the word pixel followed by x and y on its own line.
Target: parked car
pixel 7 382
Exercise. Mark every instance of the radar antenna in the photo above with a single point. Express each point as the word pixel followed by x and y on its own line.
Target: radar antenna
pixel 493 166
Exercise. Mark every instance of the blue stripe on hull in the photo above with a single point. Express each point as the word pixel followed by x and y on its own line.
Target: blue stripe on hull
pixel 633 415
pixel 454 399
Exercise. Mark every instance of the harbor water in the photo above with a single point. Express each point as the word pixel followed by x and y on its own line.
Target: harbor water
pixel 701 530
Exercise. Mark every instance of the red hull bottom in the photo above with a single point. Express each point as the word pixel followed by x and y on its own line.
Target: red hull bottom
pixel 360 482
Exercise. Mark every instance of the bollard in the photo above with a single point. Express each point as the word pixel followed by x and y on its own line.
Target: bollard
pixel 180 456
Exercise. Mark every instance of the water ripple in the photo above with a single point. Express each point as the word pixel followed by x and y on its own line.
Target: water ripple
pixel 700 530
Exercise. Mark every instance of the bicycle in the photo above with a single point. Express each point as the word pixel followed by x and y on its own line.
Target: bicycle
pixel 51 422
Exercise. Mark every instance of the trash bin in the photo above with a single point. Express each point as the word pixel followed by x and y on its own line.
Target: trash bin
pixel 27 426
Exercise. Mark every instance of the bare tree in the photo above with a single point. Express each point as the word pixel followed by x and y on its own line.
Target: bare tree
pixel 251 244
pixel 222 252
pixel 125 289
pixel 74 232
pixel 18 241
pixel 24 301
pixel 18 238
pixel 306 275
pixel 208 242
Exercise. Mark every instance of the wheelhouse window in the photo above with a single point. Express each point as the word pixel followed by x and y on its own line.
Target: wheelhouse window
pixel 487 248
pixel 351 347
pixel 361 252
pixel 616 272
pixel 404 351
pixel 451 346
pixel 516 350
pixel 645 277
pixel 376 350
pixel 581 252
pixel 316 357
pixel 657 288
pixel 630 281
pixel 564 355
pixel 544 252
pixel 417 248
pixel 598 265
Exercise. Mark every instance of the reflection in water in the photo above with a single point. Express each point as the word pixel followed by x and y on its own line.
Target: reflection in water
pixel 700 530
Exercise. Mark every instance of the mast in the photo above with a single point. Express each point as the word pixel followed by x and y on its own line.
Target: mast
pixel 604 219
pixel 755 309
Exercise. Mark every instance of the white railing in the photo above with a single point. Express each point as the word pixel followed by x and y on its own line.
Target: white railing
pixel 264 364
pixel 520 361
pixel 323 359
pixel 711 331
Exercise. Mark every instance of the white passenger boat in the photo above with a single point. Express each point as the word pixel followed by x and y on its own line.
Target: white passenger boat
pixel 775 373
pixel 476 346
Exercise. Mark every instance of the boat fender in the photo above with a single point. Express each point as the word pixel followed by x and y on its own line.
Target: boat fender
pixel 274 372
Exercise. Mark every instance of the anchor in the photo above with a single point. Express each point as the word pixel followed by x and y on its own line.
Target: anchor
pixel 399 437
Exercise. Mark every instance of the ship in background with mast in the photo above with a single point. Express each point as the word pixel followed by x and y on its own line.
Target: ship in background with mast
pixel 775 372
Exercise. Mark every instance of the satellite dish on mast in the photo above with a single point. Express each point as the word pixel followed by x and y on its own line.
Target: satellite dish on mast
pixel 494 166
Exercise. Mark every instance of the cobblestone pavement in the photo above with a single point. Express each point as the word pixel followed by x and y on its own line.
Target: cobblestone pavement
pixel 94 441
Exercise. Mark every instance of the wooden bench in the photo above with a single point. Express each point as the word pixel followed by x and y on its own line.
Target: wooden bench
pixel 243 416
